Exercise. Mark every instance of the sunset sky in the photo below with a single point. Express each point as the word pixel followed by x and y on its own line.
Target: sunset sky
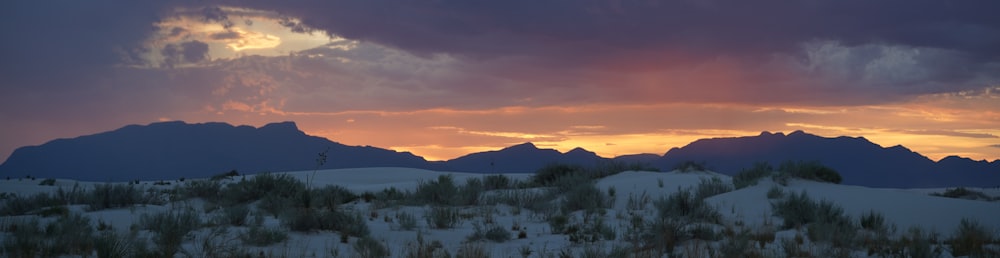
pixel 445 78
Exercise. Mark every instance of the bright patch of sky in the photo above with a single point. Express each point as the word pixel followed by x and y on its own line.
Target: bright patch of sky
pixel 245 32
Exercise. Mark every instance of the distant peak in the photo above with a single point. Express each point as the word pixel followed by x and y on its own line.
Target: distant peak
pixel 768 133
pixel 798 133
pixel 285 125
pixel 579 150
pixel 527 145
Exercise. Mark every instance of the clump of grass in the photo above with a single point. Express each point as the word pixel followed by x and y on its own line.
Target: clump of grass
pixel 170 228
pixel 809 170
pixel 368 247
pixel 263 236
pixel 586 197
pixel 496 182
pixel 48 181
pixel 750 176
pixel 442 191
pixel 406 221
pixel 684 205
pixel 965 193
pixel 796 210
pixel 775 192
pixel 970 239
pixel 442 217
pixel 551 173
pixel 711 187
pixel 496 233
pixel 691 166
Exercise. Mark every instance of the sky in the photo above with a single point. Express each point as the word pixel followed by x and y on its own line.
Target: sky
pixel 443 78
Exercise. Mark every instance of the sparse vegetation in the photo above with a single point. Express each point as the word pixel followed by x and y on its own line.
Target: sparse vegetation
pixel 971 238
pixel 965 193
pixel 495 233
pixel 750 176
pixel 685 223
pixel 368 247
pixel 263 236
pixel 691 166
pixel 809 170
pixel 170 228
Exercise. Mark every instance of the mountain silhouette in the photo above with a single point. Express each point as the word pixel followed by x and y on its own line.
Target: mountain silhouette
pixel 521 158
pixel 171 150
pixel 859 161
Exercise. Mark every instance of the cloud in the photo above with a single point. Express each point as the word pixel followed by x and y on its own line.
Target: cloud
pixel 949 133
pixel 187 52
pixel 995 145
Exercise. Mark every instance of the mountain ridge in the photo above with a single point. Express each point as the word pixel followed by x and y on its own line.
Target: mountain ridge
pixel 168 150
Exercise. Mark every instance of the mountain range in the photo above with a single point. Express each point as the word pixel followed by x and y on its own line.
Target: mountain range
pixel 172 150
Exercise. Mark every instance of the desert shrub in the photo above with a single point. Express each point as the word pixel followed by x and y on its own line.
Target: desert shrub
pixel 691 166
pixel 964 193
pixel 442 217
pixel 918 244
pixel 48 181
pixel 612 167
pixel 53 211
pixel 496 233
pixel 590 231
pixel 423 249
pixel 368 247
pixel 795 209
pixel 496 182
pixel 67 235
pixel 810 170
pixel 876 233
pixel 552 172
pixel 684 205
pixel 520 198
pixel 110 244
pixel 263 236
pixel 585 197
pixel 406 221
pixel 281 186
pixel 750 176
pixel 355 225
pixel 26 239
pixel 170 228
pixel 738 245
pixel 469 193
pixel 970 238
pixel 711 187
pixel 308 220
pixel 112 196
pixel 558 223
pixel 205 189
pixel 391 196
pixel 274 205
pixel 596 251
pixel 775 192
pixel 471 251
pixel 331 196
pixel 18 205
pixel 663 234
pixel 442 191
pixel 568 183
pixel 873 221
pixel 235 215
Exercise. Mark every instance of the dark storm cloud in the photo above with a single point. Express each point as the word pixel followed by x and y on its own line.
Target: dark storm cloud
pixel 487 28
pixel 187 52
pixel 44 40
pixel 835 51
